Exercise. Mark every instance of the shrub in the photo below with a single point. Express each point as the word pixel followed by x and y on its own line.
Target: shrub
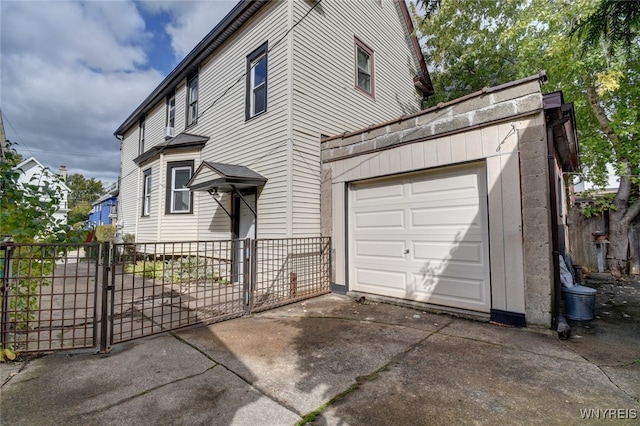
pixel 105 232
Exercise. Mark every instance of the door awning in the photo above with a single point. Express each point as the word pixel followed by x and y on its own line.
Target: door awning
pixel 221 177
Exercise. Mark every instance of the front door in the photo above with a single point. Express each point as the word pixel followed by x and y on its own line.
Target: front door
pixel 244 226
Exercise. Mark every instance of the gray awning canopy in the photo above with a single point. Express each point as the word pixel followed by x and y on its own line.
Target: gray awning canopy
pixel 184 141
pixel 224 178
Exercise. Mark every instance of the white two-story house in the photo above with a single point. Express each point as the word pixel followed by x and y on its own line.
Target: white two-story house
pixel 32 172
pixel 228 145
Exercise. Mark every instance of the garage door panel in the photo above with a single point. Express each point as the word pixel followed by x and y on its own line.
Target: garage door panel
pixel 383 250
pixel 445 216
pixel 444 187
pixel 382 219
pixel 449 287
pixel 378 192
pixel 431 250
pixel 381 279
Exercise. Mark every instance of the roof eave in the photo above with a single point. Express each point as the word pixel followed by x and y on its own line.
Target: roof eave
pixel 241 13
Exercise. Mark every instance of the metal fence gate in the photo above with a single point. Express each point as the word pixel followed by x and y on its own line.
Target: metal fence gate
pixel 58 297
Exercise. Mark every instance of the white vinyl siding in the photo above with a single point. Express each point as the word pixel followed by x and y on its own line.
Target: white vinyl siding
pixel 154 126
pixel 324 97
pixel 303 101
pixel 326 100
pixel 181 100
pixel 260 143
pixel 130 175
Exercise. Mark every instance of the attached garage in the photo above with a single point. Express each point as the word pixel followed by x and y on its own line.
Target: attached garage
pixel 422 237
pixel 451 208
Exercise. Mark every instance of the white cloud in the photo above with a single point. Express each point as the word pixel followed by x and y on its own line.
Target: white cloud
pixel 72 72
pixel 191 20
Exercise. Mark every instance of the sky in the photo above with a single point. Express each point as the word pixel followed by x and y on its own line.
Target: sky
pixel 72 71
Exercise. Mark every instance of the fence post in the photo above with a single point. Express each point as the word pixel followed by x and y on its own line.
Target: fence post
pixel 106 288
pixel 246 272
pixel 6 274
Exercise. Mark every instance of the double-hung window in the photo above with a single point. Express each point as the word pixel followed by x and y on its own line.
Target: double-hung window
pixel 192 101
pixel 171 112
pixel 364 68
pixel 146 193
pixel 257 82
pixel 179 198
pixel 141 141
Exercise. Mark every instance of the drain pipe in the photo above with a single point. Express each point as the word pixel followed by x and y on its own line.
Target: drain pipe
pixel 558 319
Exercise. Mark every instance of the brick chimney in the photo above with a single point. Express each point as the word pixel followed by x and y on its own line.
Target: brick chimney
pixel 63 173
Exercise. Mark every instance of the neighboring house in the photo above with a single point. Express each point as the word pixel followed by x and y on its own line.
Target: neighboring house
pixel 461 205
pixel 228 145
pixel 613 183
pixel 33 172
pixel 104 211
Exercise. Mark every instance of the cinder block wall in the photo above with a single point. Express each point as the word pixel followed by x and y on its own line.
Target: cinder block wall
pixel 502 126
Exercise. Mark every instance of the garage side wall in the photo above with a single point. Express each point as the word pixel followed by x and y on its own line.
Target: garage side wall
pixel 502 130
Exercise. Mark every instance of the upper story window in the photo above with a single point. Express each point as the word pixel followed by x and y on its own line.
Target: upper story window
pixel 257 82
pixel 141 141
pixel 171 111
pixel 192 101
pixel 179 198
pixel 364 68
pixel 146 193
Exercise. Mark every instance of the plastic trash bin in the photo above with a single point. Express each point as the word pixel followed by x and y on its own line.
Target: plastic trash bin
pixel 579 302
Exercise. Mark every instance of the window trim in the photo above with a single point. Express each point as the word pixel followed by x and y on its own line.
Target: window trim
pixel 192 116
pixel 171 166
pixel 146 193
pixel 360 45
pixel 261 53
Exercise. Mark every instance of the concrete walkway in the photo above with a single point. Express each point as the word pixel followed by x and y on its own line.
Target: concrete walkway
pixel 350 363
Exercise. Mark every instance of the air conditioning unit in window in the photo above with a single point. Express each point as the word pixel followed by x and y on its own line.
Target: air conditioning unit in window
pixel 168 132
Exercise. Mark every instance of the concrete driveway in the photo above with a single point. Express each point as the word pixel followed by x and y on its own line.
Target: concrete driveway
pixel 333 361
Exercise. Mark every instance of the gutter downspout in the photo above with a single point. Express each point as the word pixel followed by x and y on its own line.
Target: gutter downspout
pixel 557 319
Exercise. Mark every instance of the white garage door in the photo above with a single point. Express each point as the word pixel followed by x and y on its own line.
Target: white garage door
pixel 422 237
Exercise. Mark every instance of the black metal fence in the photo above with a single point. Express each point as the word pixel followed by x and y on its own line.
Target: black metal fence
pixel 83 295
pixel 49 296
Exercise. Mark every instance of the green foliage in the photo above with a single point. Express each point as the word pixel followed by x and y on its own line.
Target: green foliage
pixel 615 22
pixel 471 44
pixel 601 204
pixel 105 232
pixel 6 353
pixel 27 216
pixel 27 208
pixel 147 269
pixel 84 191
pixel 79 213
pixel 178 270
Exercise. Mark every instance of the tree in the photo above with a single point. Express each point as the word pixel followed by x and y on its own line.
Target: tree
pixel 614 22
pixel 79 213
pixel 83 190
pixel 474 43
pixel 27 208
